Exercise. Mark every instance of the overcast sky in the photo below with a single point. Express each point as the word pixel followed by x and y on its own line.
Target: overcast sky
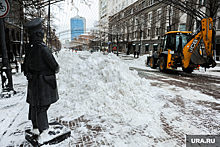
pixel 70 10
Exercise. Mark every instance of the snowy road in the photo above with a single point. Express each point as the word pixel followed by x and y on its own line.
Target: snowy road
pixel 106 104
pixel 207 84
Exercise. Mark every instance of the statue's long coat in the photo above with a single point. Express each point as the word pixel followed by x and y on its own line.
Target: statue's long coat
pixel 41 66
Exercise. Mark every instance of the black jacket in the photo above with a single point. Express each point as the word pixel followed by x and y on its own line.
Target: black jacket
pixel 40 67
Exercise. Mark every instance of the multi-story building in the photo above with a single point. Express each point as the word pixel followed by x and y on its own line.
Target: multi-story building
pixel 141 25
pixel 116 6
pixel 78 26
pixel 103 11
pixel 142 18
pixel 108 8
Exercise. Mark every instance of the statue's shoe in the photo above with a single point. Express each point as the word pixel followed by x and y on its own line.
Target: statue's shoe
pixel 48 135
pixel 35 131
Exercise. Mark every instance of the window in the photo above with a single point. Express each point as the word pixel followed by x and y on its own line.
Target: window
pixel 170 42
pixel 116 1
pixel 119 7
pixel 131 21
pixel 116 10
pixel 123 4
pixel 127 2
pixel 149 17
pixel 132 11
pixel 171 10
pixel 182 27
pixel 157 31
pixel 113 11
pixel 122 15
pixel 143 5
pixel 136 21
pixel 142 19
pixel 158 15
pixel 181 41
pixel 151 2
pixel 148 34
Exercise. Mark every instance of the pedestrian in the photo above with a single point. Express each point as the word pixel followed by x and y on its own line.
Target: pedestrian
pixel 138 53
pixel 135 53
pixel 40 68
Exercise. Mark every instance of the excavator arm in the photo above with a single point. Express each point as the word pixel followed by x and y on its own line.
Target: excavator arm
pixel 204 32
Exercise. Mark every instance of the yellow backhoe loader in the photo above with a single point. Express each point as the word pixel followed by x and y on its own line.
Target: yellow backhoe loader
pixel 182 49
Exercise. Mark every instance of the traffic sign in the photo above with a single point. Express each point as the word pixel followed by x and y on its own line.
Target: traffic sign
pixel 4 8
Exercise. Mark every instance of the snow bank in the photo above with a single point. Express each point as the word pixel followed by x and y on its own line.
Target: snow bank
pixel 101 85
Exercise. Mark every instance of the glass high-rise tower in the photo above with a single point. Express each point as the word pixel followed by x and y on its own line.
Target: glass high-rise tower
pixel 78 26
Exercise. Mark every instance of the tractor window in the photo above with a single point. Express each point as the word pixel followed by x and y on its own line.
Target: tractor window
pixel 170 41
pixel 165 41
pixel 179 43
pixel 183 38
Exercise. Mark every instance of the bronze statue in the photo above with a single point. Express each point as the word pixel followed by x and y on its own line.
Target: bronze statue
pixel 40 68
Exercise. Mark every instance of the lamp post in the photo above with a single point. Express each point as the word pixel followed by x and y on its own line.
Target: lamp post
pixel 117 41
pixel 140 24
pixel 140 41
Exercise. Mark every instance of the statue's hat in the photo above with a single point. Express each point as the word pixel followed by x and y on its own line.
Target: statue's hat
pixel 34 24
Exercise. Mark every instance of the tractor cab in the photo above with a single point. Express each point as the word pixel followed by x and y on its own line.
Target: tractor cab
pixel 175 41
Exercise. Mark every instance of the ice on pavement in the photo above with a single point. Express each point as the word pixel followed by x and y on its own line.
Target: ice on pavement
pixel 130 111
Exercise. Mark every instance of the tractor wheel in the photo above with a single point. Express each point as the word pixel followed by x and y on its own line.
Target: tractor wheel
pixel 188 69
pixel 152 63
pixel 163 64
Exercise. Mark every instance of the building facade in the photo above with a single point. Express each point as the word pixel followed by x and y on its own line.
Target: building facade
pixel 108 8
pixel 82 43
pixel 78 26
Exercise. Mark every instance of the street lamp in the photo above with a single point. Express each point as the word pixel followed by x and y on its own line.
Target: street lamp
pixel 117 40
pixel 140 24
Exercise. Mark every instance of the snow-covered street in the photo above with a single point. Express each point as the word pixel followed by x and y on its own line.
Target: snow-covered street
pixel 104 103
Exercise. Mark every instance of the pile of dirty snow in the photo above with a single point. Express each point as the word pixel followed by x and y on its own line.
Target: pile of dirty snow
pixel 101 85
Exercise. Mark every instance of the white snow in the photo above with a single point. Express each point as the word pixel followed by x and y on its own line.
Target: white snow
pixel 102 90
